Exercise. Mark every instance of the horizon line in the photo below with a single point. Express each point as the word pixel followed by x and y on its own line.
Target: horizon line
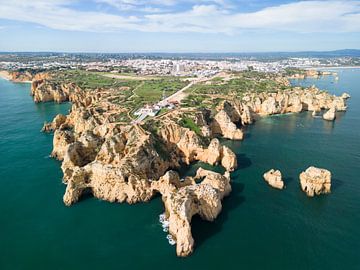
pixel 185 52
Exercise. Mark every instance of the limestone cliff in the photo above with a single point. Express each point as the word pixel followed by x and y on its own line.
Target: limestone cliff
pixel 183 143
pixel 44 90
pixel 222 125
pixel 183 200
pixel 57 122
pixel 293 100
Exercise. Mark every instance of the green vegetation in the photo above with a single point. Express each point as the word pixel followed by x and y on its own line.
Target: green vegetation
pixel 152 91
pixel 122 117
pixel 154 127
pixel 163 111
pixel 236 86
pixel 217 79
pixel 161 149
pixel 131 93
pixel 293 71
pixel 187 122
pixel 92 80
pixel 193 100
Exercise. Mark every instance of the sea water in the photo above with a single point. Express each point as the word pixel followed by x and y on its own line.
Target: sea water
pixel 259 227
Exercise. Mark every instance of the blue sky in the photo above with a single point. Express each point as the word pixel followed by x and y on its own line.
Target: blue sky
pixel 178 25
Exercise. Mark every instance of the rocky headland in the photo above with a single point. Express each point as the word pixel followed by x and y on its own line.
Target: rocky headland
pixel 120 161
pixel 21 76
pixel 310 73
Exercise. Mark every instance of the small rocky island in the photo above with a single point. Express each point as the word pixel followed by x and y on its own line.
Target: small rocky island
pixel 274 179
pixel 315 181
pixel 116 157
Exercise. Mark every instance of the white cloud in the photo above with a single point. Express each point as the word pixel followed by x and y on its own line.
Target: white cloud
pixel 304 16
pixel 55 14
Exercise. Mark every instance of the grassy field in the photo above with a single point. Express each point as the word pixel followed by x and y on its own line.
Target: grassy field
pixel 187 122
pixel 92 80
pixel 239 84
pixel 130 91
pixel 152 91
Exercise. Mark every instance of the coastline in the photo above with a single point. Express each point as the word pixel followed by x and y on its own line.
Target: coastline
pixel 334 67
pixel 5 75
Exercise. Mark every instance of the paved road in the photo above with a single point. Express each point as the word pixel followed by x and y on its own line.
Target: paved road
pixel 179 95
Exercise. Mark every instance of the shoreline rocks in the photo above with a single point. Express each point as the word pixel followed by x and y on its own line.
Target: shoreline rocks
pixel 330 114
pixel 274 179
pixel 315 181
pixel 223 125
pixel 185 199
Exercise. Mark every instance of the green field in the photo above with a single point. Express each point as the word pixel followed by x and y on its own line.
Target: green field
pixel 93 80
pixel 152 91
pixel 241 83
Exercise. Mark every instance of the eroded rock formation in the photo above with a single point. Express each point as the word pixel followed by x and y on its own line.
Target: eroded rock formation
pixel 185 199
pixel 330 114
pixel 44 90
pixel 59 120
pixel 117 161
pixel 315 181
pixel 223 125
pixel 294 100
pixel 274 179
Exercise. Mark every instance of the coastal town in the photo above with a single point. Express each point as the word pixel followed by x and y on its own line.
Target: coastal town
pixel 190 71
pixel 176 66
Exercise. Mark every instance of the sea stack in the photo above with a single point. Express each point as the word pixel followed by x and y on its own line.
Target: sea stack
pixel 274 179
pixel 315 181
pixel 330 114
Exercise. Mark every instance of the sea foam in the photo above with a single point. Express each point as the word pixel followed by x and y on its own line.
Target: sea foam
pixel 165 225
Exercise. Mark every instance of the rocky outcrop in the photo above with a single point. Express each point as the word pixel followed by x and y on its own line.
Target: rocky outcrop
pixel 222 125
pixel 184 144
pixel 185 199
pixel 330 115
pixel 21 76
pixel 59 120
pixel 115 168
pixel 294 101
pixel 274 179
pixel 228 159
pixel 44 90
pixel 315 181
pixel 238 112
pixel 62 139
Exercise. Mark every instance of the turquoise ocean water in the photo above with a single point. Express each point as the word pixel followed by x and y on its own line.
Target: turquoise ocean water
pixel 259 228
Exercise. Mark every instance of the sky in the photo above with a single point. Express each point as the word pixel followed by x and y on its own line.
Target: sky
pixel 178 25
